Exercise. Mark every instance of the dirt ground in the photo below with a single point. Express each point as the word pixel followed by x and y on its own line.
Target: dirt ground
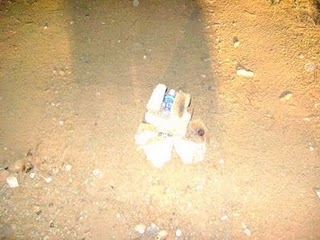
pixel 75 77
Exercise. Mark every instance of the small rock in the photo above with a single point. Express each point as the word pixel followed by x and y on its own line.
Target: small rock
pixel 136 3
pixel 32 175
pixel 236 42
pixel 317 191
pixel 285 96
pixel 97 173
pixel 47 179
pixel 152 229
pixel 140 228
pixel 162 234
pixel 244 73
pixel 62 73
pixel 178 232
pixel 12 181
pixel 224 218
pixel 247 231
pixel 221 161
pixel 66 167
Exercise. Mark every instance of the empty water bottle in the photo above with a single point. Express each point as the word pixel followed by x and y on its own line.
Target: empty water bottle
pixel 168 100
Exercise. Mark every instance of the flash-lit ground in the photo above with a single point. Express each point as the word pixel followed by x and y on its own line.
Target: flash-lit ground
pixel 75 77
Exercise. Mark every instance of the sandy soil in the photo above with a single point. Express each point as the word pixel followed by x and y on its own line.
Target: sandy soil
pixel 75 77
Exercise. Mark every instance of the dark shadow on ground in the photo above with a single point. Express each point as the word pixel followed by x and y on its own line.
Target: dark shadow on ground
pixel 116 44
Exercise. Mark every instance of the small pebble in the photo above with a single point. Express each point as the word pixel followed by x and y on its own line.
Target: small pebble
pixel 136 3
pixel 47 179
pixel 317 191
pixel 162 234
pixel 66 167
pixel 244 73
pixel 32 175
pixel 140 228
pixel 221 161
pixel 285 96
pixel 178 232
pixel 12 181
pixel 224 218
pixel 247 231
pixel 236 42
pixel 97 173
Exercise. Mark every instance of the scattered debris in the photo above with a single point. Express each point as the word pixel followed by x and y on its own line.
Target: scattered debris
pixel 244 72
pixel 167 125
pixel 285 96
pixel 12 181
pixel 317 191
pixel 140 228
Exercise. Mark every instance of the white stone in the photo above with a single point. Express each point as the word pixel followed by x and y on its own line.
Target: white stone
pixel 140 228
pixel 317 191
pixel 97 173
pixel 12 181
pixel 247 231
pixel 224 218
pixel 178 232
pixel 245 73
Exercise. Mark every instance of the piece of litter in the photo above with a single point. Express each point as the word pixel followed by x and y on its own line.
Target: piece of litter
pixel 317 191
pixel 285 96
pixel 244 73
pixel 178 232
pixel 140 228
pixel 12 181
pixel 221 161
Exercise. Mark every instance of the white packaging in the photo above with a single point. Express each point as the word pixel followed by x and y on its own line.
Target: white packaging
pixel 155 101
pixel 190 151
pixel 158 150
